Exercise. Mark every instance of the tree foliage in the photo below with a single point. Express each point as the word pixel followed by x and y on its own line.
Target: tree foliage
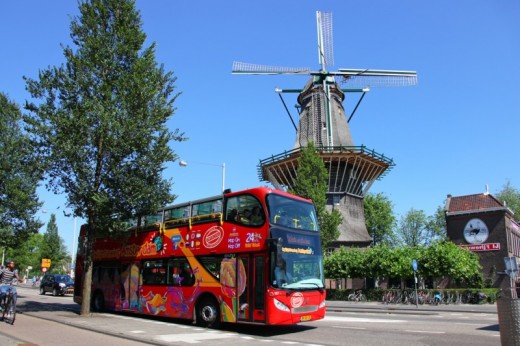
pixel 311 183
pixel 100 127
pixel 19 178
pixel 412 230
pixel 435 260
pixel 379 217
pixel 436 225
pixel 511 196
pixel 53 247
pixel 29 254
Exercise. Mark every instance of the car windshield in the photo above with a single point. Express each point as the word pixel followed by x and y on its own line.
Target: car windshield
pixel 64 278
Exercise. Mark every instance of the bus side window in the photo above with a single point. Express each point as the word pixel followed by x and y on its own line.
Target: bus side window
pixel 232 215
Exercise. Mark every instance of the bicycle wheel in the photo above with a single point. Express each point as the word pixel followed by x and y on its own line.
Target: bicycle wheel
pixel 9 313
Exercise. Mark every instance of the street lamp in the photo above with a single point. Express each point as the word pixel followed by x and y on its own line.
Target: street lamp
pixel 183 163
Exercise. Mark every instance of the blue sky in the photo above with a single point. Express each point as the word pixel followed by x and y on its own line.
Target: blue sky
pixel 453 133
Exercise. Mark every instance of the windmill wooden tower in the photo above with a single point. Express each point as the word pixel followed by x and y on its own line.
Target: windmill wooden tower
pixel 322 120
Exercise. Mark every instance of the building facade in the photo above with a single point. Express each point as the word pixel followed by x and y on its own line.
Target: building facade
pixel 483 224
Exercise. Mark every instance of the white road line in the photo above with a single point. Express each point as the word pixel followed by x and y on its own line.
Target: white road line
pixel 360 320
pixel 424 332
pixel 193 338
pixel 341 327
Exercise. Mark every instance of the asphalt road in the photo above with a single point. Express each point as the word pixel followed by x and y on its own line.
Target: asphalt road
pixel 48 320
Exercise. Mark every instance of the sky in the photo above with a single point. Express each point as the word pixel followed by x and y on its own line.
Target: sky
pixel 455 132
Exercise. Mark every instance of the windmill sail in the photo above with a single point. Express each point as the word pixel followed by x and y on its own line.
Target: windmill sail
pixel 322 120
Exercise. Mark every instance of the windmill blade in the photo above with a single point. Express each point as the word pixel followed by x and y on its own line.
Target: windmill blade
pixel 325 43
pixel 247 68
pixel 376 78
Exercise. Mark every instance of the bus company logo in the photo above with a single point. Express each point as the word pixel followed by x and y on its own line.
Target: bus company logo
pixel 213 237
pixel 297 300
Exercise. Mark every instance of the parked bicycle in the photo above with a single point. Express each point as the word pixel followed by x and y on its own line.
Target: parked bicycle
pixel 8 307
pixel 358 296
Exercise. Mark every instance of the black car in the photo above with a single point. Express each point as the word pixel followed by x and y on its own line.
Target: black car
pixel 57 284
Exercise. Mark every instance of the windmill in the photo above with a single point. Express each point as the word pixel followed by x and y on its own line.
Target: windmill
pixel 322 120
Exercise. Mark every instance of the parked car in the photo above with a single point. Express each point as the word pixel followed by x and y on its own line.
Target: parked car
pixel 57 284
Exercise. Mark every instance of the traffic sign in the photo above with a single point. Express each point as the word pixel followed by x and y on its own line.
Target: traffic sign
pixel 46 263
pixel 414 265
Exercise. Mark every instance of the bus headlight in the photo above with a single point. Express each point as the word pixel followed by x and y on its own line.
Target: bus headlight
pixel 322 304
pixel 281 306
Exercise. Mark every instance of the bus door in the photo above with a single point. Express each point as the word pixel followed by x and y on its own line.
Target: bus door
pixel 130 280
pixel 251 301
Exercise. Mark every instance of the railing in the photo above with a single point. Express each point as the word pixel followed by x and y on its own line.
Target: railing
pixel 360 149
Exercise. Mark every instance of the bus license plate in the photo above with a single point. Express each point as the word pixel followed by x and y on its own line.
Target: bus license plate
pixel 305 318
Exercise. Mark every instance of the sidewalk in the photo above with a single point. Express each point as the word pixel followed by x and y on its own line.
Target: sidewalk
pixel 377 307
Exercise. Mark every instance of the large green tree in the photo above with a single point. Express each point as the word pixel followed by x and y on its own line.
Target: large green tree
pixel 380 219
pixel 53 247
pixel 101 125
pixel 311 182
pixel 416 229
pixel 19 178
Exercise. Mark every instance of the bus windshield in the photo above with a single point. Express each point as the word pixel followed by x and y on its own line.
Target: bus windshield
pixel 296 261
pixel 292 213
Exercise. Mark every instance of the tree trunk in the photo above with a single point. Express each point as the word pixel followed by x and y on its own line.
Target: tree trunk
pixel 87 272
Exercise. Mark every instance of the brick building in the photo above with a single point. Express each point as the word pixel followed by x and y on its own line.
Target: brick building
pixel 483 224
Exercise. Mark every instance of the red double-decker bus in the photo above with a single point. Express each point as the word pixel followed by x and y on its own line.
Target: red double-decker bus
pixel 214 260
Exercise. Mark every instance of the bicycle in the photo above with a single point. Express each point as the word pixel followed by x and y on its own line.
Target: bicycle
pixel 9 307
pixel 357 297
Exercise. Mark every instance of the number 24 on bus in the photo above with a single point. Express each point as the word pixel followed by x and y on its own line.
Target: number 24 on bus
pixel 251 256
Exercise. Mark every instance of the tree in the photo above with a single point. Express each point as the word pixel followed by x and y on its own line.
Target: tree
pixel 311 183
pixel 346 263
pixel 100 128
pixel 19 178
pixel 412 229
pixel 436 225
pixel 28 254
pixel 511 196
pixel 435 260
pixel 379 218
pixel 53 246
pixel 444 258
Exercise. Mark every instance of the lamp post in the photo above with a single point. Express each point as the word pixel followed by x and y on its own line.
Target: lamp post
pixel 183 163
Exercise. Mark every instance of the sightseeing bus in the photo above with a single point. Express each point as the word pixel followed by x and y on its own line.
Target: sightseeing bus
pixel 214 260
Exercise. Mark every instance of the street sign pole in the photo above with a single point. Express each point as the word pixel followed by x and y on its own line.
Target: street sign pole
pixel 414 266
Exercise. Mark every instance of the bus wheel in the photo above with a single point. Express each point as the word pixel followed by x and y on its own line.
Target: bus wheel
pixel 208 313
pixel 98 302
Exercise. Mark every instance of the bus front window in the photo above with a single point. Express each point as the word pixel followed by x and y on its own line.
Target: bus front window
pixel 298 272
pixel 296 260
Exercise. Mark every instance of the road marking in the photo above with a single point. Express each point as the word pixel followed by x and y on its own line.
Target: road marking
pixel 341 327
pixel 424 332
pixel 137 331
pixel 360 320
pixel 193 338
